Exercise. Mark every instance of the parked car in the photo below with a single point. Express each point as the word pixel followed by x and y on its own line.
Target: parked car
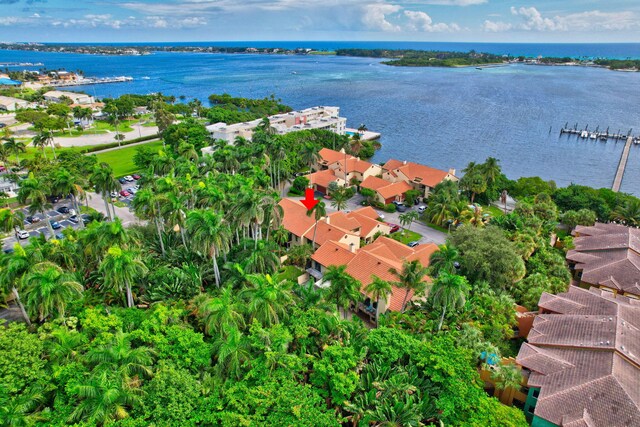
pixel 8 250
pixel 59 236
pixel 421 209
pixel 2 125
pixel 32 219
pixel 413 244
pixel 22 234
pixel 136 187
pixel 129 178
pixel 73 218
pixel 63 209
pixel 122 180
pixel 124 193
pixel 114 194
pixel 131 190
pixel 86 219
pixel 394 227
pixel 2 168
pixel 54 199
pixel 401 207
pixel 136 176
pixel 55 225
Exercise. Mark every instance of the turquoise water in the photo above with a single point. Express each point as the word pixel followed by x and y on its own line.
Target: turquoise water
pixel 440 117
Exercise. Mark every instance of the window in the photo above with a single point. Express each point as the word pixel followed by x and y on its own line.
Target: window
pixel 536 393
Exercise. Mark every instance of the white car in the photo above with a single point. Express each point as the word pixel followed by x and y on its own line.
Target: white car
pixel 114 194
pixel 421 209
pixel 129 178
pixel 131 190
pixel 72 212
pixel 23 234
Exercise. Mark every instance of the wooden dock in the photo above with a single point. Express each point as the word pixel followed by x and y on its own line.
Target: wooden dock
pixel 617 181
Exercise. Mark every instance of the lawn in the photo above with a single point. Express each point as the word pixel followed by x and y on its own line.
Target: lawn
pixel 121 160
pixel 123 126
pixel 406 236
pixel 289 272
pixel 493 210
pixel 31 151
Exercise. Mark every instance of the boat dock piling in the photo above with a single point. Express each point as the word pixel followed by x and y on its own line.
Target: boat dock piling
pixel 597 134
pixel 617 180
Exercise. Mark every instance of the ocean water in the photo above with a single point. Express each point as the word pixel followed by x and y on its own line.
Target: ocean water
pixel 441 117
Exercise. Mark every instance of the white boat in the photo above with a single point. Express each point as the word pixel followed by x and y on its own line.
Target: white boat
pixel 592 136
pixel 146 78
pixel 584 134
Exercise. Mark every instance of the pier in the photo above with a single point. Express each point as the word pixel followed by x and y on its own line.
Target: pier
pixel 617 181
pixel 597 134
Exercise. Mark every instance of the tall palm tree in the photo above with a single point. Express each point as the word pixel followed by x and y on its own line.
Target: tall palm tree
pixel 120 268
pixel 628 214
pixel 339 199
pixel 449 291
pixel 23 410
pixel 209 233
pixel 35 191
pixel 407 218
pixel 378 289
pixel 102 399
pixel 221 313
pixel 49 290
pixel 355 144
pixel 11 220
pixel 118 355
pixel 344 288
pixel 43 139
pixel 13 270
pixel 65 183
pixel 410 278
pixel 268 301
pixel 232 351
pixel 15 147
pixel 173 209
pixel 444 260
pixel 146 205
pixel 507 376
pixel 309 154
pixel 319 212
pixel 263 259
pixel 104 182
pixel 491 170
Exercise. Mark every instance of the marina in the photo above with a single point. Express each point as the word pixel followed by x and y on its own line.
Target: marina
pixel 599 135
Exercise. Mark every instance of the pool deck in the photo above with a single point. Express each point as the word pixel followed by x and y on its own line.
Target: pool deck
pixel 366 135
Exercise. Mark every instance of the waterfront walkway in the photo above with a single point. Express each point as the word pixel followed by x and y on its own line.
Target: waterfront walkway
pixel 617 181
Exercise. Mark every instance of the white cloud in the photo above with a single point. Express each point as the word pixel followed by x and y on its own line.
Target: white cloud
pixel 533 20
pixel 454 2
pixel 375 17
pixel 421 21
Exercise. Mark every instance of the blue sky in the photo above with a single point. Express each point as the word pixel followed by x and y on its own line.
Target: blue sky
pixel 416 20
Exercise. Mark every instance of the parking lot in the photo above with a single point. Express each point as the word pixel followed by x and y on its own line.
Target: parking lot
pixel 40 227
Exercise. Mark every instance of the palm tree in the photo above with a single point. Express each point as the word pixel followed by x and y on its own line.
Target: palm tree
pixel 362 128
pixel 15 147
pixel 628 214
pixel 49 290
pixel 318 212
pixel 11 274
pixel 210 234
pixel 63 345
pixel 118 355
pixel 309 154
pixel 172 208
pixel 120 268
pixel 445 260
pixel 410 278
pixel 267 299
pixel 378 289
pixel 506 376
pixel 23 410
pixel 263 259
pixel 35 191
pixel 339 199
pixel 491 170
pixel 221 313
pixel 43 139
pixel 232 351
pixel 448 291
pixel 65 183
pixel 104 182
pixel 11 220
pixel 344 288
pixel 355 144
pixel 407 218
pixel 146 205
pixel 103 398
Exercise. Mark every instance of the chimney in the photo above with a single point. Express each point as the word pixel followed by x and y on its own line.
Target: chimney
pixel 404 162
pixel 452 171
pixel 352 247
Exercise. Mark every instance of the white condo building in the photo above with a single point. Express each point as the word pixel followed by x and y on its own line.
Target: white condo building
pixel 311 118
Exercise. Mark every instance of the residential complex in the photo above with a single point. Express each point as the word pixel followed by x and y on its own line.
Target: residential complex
pixel 582 359
pixel 8 103
pixel 327 118
pixel 75 97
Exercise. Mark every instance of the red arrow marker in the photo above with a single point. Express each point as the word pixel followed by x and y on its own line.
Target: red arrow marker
pixel 308 200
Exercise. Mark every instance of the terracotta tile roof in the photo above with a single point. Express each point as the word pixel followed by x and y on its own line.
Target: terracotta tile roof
pixel 295 219
pixel 375 259
pixel 369 226
pixel 608 255
pixel 374 183
pixel 326 232
pixel 415 171
pixel 423 253
pixel 333 253
pixel 344 221
pixel 329 156
pixel 586 359
pixel 367 211
pixel 323 177
pixel 354 164
pixel 395 189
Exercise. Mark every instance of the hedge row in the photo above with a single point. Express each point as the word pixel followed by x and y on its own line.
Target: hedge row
pixel 122 144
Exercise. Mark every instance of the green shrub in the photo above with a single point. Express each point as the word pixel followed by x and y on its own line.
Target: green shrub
pixel 390 208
